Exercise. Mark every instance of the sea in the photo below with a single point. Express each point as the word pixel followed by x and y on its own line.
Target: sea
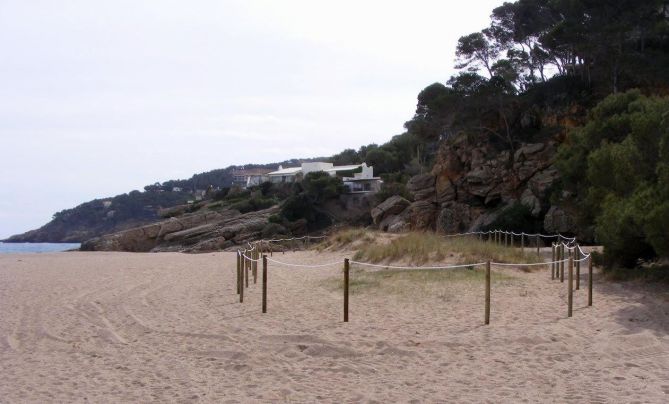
pixel 9 248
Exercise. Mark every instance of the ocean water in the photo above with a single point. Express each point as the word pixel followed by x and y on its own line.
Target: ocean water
pixel 7 248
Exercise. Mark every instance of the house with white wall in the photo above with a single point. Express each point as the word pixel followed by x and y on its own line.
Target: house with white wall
pixel 362 181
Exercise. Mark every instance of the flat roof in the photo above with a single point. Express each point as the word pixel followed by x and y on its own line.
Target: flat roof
pixel 286 171
pixel 344 168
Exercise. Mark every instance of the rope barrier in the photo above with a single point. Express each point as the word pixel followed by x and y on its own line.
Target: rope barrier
pixel 251 259
pixel 506 264
pixel 305 265
pixel 417 268
pixel 560 236
pixel 290 239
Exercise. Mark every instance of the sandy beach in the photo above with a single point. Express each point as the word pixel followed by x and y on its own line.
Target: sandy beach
pixel 123 327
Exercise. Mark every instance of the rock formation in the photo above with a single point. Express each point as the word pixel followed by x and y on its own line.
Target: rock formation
pixel 193 232
pixel 473 182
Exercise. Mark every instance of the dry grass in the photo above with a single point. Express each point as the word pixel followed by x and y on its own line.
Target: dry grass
pixel 420 248
pixel 347 238
pixel 414 282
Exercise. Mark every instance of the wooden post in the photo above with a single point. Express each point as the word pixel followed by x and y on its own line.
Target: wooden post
pixel 487 292
pixel 590 280
pixel 537 237
pixel 506 239
pixel 246 271
pixel 561 262
pixel 264 283
pixel 570 292
pixel 256 256
pixel 522 243
pixel 577 253
pixel 346 290
pixel 238 271
pixel 241 279
pixel 553 261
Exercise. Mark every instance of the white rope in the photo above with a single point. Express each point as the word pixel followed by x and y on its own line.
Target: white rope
pixel 305 266
pixel 560 236
pixel 416 268
pixel 505 264
pixel 251 259
pixel 276 240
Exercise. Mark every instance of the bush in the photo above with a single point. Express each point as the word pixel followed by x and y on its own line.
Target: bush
pixel 320 186
pixel 253 204
pixel 273 229
pixel 298 207
pixel 220 195
pixel 623 150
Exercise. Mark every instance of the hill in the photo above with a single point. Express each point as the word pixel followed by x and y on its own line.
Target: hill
pixel 136 208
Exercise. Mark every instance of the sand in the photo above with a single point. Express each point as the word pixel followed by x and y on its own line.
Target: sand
pixel 122 327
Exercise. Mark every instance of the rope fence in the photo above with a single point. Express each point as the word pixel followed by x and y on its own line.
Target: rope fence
pixel 565 251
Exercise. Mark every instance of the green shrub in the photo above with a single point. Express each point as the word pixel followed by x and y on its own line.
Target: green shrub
pixel 273 229
pixel 253 204
pixel 623 150
pixel 320 186
pixel 221 194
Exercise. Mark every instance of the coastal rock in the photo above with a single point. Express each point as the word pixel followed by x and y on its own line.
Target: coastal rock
pixel 422 215
pixel 194 232
pixel 422 186
pixel 422 181
pixel 453 218
pixel 446 190
pixel 391 206
pixel 395 224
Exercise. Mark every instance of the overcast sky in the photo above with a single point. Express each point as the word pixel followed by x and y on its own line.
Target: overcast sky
pixel 99 98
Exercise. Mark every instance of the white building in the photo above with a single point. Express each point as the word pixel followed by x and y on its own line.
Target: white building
pixel 289 174
pixel 362 181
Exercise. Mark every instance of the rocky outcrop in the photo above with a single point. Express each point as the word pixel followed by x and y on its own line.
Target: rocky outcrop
pixel 193 232
pixel 390 207
pixel 473 182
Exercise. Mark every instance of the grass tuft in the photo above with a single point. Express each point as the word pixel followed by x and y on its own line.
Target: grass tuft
pixel 414 282
pixel 420 248
pixel 345 238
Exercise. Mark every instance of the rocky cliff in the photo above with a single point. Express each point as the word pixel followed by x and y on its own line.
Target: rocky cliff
pixel 472 183
pixel 205 230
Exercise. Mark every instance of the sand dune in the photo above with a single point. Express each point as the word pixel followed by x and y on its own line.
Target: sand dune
pixel 112 327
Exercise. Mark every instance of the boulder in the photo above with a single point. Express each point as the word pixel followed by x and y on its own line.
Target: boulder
pixel 453 218
pixel 422 215
pixel 395 224
pixel 391 206
pixel 421 185
pixel 543 180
